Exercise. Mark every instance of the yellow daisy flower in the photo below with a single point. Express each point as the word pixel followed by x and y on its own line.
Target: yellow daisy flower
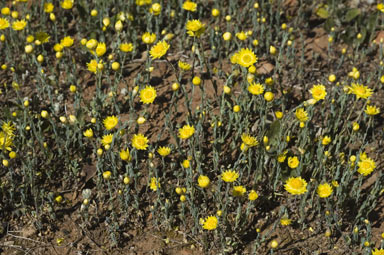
pixel 238 191
pixel 164 151
pixel 229 176
pixel 159 49
pixel 101 48
pixel 155 184
pixel 366 165
pixel 324 190
pixel 378 251
pixel 246 57
pixel 126 47
pixel 148 95
pixel 125 155
pixel 67 4
pixel 66 41
pixel 293 162
pixel 88 133
pixel 372 110
pixel 48 7
pixel 195 27
pixel 326 140
pixel 318 92
pixel 285 221
pixel 301 114
pixel 296 185
pixel 210 223
pixel 256 89
pixel 140 142
pixel 253 195
pixel 183 65
pixel 19 25
pixel 360 90
pixel 249 140
pixel 110 122
pixel 4 23
pixel 107 139
pixel 189 6
pixel 148 38
pixel 186 131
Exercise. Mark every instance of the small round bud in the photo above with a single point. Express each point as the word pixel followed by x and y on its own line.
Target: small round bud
pixel 72 88
pixel 44 114
pixel 107 175
pixel 196 81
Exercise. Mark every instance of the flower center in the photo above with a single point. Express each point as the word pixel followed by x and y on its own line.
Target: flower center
pixel 365 165
pixel 296 184
pixel 148 94
pixel 247 58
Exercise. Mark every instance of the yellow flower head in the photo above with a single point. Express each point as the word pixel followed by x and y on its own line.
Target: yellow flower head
pixel 159 49
pixel 366 165
pixel 301 114
pixel 253 195
pixel 238 191
pixel 360 90
pixel 249 140
pixel 88 133
pixel 189 6
pixel 183 65
pixel 241 36
pixel 378 251
pixel 125 155
pixel 148 38
pixel 93 66
pixel 48 7
pixel 203 181
pixel 140 142
pixel 107 139
pixel 6 141
pixel 281 157
pixel 326 140
pixel 186 131
pixel 43 37
pixel 372 110
pixel 246 57
pixel 110 122
pixel 4 23
pixel 318 92
pixel 210 223
pixel 293 162
pixel 296 185
pixel 9 128
pixel 143 2
pixel 126 47
pixel 186 163
pixel 148 95
pixel 195 27
pixel 285 221
pixel 19 25
pixel 256 88
pixel 155 184
pixel 164 151
pixel 234 58
pixel 66 41
pixel 229 176
pixel 324 190
pixel 67 4
pixel 155 9
pixel 101 48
